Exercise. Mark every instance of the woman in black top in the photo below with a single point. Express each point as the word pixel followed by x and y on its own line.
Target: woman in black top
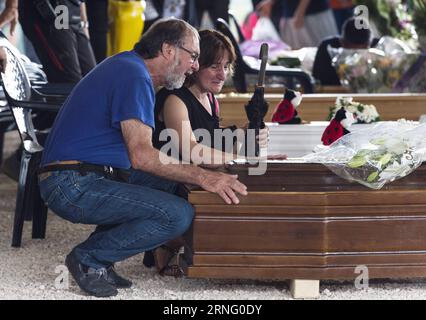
pixel 193 111
pixel 198 116
pixel 188 111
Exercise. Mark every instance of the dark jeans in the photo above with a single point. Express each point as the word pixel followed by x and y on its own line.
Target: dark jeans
pixel 66 54
pixel 97 14
pixel 131 218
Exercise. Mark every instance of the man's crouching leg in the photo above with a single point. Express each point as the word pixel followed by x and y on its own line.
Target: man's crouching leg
pixel 134 219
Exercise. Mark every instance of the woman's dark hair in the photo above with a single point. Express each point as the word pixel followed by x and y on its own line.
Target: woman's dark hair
pixel 213 46
pixel 171 31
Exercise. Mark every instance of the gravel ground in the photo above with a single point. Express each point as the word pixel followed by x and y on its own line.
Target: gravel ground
pixel 29 272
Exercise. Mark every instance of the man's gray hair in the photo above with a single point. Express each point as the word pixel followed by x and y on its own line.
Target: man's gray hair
pixel 170 30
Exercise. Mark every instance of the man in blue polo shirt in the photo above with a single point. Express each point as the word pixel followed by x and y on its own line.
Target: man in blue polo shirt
pixel 104 128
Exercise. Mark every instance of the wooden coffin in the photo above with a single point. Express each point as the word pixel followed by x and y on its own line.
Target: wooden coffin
pixel 301 221
pixel 316 107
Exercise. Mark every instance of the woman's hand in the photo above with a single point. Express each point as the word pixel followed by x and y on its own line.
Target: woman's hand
pixel 263 137
pixel 277 157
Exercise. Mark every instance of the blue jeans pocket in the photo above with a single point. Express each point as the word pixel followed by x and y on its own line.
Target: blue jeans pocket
pixel 84 183
pixel 59 203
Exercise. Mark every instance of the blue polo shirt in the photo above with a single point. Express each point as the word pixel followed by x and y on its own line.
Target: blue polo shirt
pixel 87 127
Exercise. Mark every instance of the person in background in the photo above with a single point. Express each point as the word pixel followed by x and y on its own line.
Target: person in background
pixel 3 59
pixel 302 23
pixel 84 169
pixel 342 11
pixel 269 8
pixel 352 38
pixel 97 16
pixel 181 9
pixel 9 15
pixel 66 54
pixel 305 23
pixel 215 9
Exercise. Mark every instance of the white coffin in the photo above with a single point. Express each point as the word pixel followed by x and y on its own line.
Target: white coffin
pixel 299 139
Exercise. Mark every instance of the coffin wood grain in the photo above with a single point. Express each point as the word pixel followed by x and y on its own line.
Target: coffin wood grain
pixel 247 272
pixel 309 232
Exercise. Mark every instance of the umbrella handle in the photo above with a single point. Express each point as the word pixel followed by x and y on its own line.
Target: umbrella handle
pixel 263 56
pixel 256 144
pixel 249 151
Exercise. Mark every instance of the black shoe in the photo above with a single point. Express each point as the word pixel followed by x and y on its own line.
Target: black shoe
pixel 116 280
pixel 148 259
pixel 90 280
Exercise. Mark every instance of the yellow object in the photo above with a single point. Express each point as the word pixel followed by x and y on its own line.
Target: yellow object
pixel 126 21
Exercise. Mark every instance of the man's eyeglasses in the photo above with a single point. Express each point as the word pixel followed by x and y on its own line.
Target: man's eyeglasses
pixel 194 55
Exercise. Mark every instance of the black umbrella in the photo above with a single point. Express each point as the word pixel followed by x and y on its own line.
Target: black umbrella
pixel 257 107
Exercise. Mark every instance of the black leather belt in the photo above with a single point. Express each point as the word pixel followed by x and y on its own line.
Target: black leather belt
pixel 84 168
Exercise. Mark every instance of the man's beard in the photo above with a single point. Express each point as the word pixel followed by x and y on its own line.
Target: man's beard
pixel 173 79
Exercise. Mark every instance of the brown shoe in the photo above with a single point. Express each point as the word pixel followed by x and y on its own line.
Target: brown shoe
pixel 167 261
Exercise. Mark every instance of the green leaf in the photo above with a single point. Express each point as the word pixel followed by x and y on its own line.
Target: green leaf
pixel 378 141
pixel 357 162
pixel 373 176
pixel 384 160
pixel 362 153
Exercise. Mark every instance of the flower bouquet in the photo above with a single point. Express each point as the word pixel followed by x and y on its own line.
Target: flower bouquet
pixel 390 17
pixel 374 70
pixel 378 155
pixel 364 113
pixel 414 80
pixel 419 18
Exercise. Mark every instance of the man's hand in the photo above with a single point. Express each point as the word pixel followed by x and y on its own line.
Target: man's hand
pixel 143 156
pixel 9 15
pixel 224 185
pixel 3 59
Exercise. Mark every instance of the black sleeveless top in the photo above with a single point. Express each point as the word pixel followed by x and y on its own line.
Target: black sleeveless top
pixel 199 117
